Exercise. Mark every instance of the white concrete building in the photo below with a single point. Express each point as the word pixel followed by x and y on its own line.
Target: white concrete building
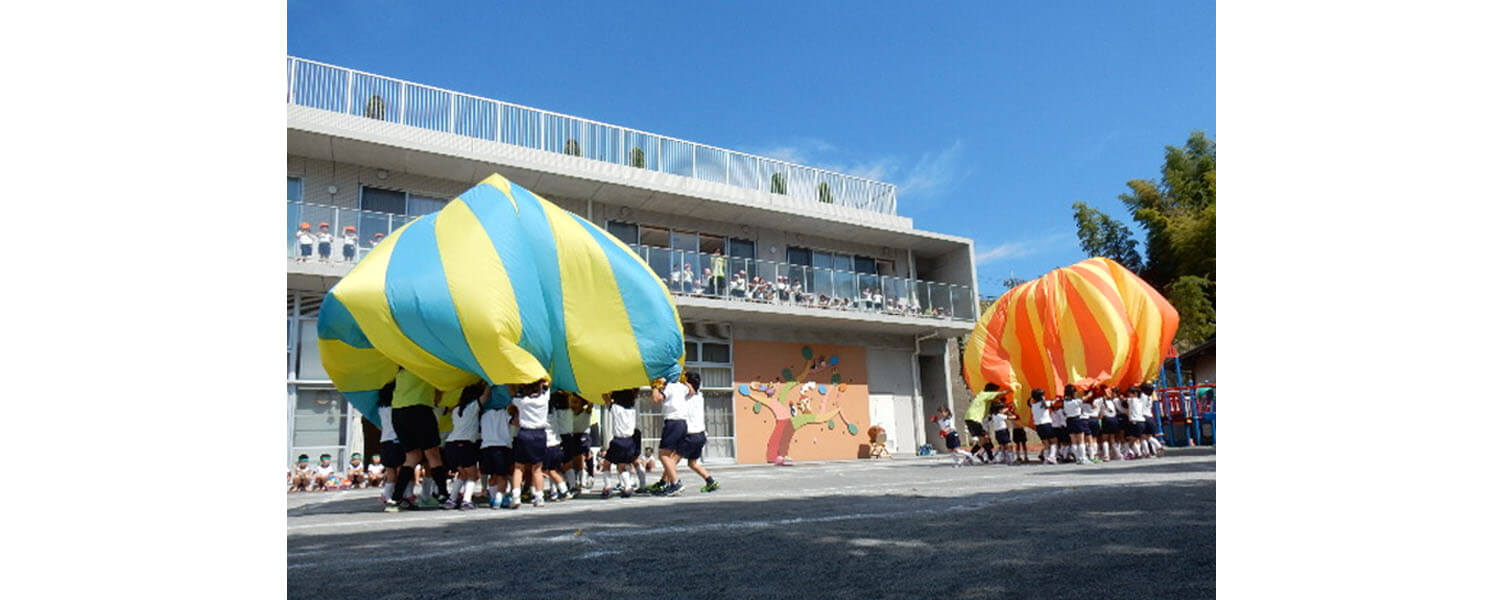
pixel 375 152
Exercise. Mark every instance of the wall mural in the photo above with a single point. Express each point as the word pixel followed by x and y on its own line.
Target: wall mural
pixel 802 401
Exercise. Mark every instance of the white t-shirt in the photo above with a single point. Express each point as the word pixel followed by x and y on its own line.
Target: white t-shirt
pixel 675 401
pixel 556 423
pixel 1059 420
pixel 325 238
pixel 1072 407
pixel 321 469
pixel 1039 413
pixel 387 428
pixel 622 420
pixel 581 421
pixel 1146 406
pixel 375 470
pixel 466 425
pixel 305 238
pixel 1108 407
pixel 695 415
pixel 1134 406
pixel 1091 409
pixel 995 422
pixel 494 428
pixel 945 425
pixel 532 410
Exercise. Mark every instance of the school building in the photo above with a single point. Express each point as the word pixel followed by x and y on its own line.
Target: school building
pixel 856 323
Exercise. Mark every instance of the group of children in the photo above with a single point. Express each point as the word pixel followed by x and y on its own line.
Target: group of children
pixel 324 241
pixel 526 443
pixel 1099 424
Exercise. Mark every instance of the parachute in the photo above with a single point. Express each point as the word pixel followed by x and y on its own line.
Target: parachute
pixel 1089 323
pixel 504 286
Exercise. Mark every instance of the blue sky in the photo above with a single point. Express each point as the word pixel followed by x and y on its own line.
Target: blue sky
pixel 991 117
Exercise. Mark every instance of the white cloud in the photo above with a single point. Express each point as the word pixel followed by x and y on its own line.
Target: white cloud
pixel 933 173
pixel 1016 249
pixel 929 174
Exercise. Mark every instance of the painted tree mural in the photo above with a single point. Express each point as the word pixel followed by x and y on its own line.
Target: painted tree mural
pixel 796 401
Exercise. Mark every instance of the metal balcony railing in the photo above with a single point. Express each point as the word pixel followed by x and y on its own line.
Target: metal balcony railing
pixel 328 87
pixel 751 280
pixel 686 273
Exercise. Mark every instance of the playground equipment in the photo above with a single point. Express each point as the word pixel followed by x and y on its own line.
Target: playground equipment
pixel 1185 413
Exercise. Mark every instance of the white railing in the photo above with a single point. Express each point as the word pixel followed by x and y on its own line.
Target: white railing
pixel 328 87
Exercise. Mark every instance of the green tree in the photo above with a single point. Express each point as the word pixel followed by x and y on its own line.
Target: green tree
pixel 571 148
pixel 1100 235
pixel 778 183
pixel 638 157
pixel 825 193
pixel 1177 214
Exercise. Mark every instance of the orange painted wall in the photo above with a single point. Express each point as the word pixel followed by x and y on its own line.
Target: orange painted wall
pixel 764 375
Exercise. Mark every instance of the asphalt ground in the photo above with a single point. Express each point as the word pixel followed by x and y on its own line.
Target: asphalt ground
pixel 909 528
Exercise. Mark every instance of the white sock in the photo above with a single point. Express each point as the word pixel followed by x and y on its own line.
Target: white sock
pixel 640 475
pixel 427 487
pixel 388 491
pixel 604 476
pixel 494 491
pixel 571 477
pixel 469 485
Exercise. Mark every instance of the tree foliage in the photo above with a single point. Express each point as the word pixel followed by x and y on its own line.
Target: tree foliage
pixel 1100 235
pixel 1177 214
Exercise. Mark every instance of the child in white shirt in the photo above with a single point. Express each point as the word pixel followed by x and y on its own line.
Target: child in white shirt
pixel 624 448
pixel 325 242
pixel 305 240
pixel 462 449
pixel 495 436
pixel 351 243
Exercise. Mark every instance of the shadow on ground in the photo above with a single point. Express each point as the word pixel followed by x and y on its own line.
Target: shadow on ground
pixel 1138 540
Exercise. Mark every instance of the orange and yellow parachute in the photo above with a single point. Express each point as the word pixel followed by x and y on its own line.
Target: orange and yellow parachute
pixel 1092 322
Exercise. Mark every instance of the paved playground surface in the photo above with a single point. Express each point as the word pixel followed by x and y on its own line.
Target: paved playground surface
pixel 909 528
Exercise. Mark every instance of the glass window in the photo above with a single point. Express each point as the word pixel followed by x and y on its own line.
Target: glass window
pixel 707 244
pixel 421 205
pixel 741 248
pixel 380 200
pixel 799 256
pixel 716 377
pixel 309 364
pixel 294 189
pixel 654 236
pixel 864 265
pixel 715 353
pixel 691 353
pixel 843 262
pixel 319 419
pixel 625 231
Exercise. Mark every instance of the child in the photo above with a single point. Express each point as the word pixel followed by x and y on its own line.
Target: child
pixel 1018 435
pixel 697 436
pixel 673 398
pixel 974 420
pixel 375 473
pixel 462 450
pixel 558 421
pixel 646 463
pixel 1061 446
pixel 351 241
pixel 302 475
pixel 944 420
pixel 391 452
pixel 624 448
pixel 1041 421
pixel 322 472
pixel 1109 426
pixel 1137 425
pixel 1072 407
pixel 305 241
pixel 325 242
pixel 412 404
pixel 999 431
pixel 529 448
pixel 1091 401
pixel 355 472
pixel 495 436
pixel 576 440
pixel 1153 445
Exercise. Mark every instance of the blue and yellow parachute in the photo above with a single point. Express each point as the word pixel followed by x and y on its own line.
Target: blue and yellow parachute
pixel 504 286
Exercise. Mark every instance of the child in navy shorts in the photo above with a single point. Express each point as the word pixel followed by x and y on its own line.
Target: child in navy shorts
pixel 529 448
pixel 495 437
pixel 624 446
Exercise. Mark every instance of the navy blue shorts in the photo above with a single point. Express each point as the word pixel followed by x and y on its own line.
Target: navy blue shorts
pixel 976 430
pixel 496 460
pixel 1094 427
pixel 573 444
pixel 1134 428
pixel 622 450
pixel 416 427
pixel 672 432
pixel 461 453
pixel 1151 428
pixel 306 249
pixel 324 249
pixel 1002 436
pixel 1077 425
pixel 1044 431
pixel 530 446
pixel 392 455
pixel 952 440
pixel 692 445
pixel 553 459
pixel 1110 425
pixel 348 251
pixel 1018 435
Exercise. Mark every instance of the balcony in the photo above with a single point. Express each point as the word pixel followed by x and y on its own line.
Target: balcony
pixel 754 284
pixel 348 92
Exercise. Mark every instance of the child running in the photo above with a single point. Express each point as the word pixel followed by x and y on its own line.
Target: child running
pixel 697 436
pixel 673 398
pixel 944 420
pixel 624 447
pixel 999 430
pixel 412 403
pixel 495 437
pixel 974 421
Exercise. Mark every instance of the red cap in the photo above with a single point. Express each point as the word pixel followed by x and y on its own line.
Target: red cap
pixel 349 228
pixel 324 224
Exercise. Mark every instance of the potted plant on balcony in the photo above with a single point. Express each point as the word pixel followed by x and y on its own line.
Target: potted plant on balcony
pixel 571 148
pixel 778 183
pixel 825 193
pixel 638 157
